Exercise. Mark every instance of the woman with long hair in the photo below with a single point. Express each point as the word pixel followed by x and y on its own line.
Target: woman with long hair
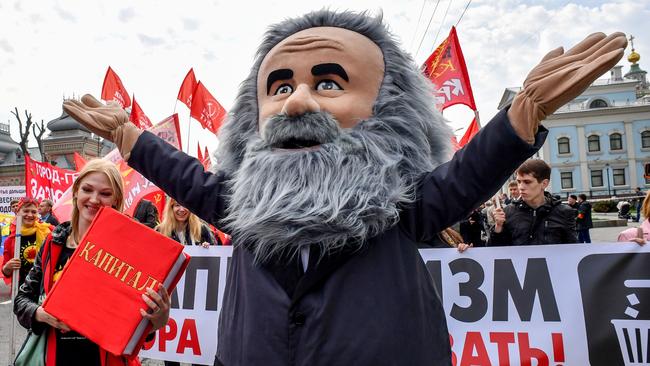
pixel 33 234
pixel 99 184
pixel 185 227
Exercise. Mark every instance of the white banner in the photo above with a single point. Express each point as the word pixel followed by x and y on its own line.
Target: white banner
pixel 7 193
pixel 191 333
pixel 572 304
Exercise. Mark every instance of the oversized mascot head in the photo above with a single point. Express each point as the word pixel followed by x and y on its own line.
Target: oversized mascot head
pixel 328 136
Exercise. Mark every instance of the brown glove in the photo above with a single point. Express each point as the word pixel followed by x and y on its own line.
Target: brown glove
pixel 560 77
pixel 109 121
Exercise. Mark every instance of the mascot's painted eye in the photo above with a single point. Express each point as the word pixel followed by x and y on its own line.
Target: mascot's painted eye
pixel 284 89
pixel 328 85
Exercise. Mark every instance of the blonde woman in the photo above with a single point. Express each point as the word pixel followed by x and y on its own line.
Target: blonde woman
pixel 185 227
pixel 99 184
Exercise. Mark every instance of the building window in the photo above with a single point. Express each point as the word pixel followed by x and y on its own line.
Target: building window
pixel 563 145
pixel 593 143
pixel 619 176
pixel 645 139
pixel 598 103
pixel 615 141
pixel 567 180
pixel 597 178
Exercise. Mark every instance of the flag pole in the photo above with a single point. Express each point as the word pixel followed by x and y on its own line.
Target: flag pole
pixel 478 120
pixel 15 278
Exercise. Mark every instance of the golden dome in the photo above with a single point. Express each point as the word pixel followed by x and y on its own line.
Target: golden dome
pixel 634 57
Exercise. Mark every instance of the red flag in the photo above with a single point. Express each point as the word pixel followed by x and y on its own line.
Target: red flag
pixel 187 89
pixel 79 161
pixel 43 180
pixel 206 109
pixel 138 117
pixel 206 159
pixel 471 131
pixel 114 90
pixel 446 69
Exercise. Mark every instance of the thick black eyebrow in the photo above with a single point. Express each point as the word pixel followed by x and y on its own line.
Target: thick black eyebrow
pixel 327 69
pixel 275 75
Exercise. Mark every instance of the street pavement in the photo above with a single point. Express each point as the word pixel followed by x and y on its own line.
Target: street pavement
pixel 602 235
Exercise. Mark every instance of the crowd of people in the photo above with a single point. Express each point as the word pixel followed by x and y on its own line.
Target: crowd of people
pixel 46 246
pixel 529 215
pixel 333 165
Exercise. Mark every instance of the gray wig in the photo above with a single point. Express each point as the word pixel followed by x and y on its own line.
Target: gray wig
pixel 346 191
pixel 405 93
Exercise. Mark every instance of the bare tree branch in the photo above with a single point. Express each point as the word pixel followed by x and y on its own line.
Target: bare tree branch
pixel 24 133
pixel 39 137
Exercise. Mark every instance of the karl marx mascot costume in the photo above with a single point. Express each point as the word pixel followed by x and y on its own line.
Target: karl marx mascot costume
pixel 332 166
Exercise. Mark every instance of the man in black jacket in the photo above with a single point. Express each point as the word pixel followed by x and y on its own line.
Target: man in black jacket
pixel 583 221
pixel 331 170
pixel 537 218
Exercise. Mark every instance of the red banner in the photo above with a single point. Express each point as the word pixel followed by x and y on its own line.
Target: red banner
pixel 447 70
pixel 206 109
pixel 45 181
pixel 113 89
pixel 135 185
pixel 187 89
pixel 138 117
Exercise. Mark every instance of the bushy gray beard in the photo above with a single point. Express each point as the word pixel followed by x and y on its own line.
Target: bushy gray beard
pixel 336 195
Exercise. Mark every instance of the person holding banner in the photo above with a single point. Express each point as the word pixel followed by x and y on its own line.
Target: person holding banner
pixel 33 234
pixel 99 184
pixel 331 168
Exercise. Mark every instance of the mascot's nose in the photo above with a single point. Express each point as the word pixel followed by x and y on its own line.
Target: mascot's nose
pixel 300 102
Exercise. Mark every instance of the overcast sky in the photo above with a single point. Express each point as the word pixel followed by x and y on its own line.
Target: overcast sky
pixel 62 48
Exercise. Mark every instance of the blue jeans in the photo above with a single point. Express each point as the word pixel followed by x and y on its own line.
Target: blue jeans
pixel 583 236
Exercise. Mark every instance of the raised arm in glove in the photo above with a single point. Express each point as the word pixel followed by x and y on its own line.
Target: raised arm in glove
pixel 560 77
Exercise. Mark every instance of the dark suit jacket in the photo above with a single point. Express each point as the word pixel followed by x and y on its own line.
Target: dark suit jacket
pixel 50 219
pixel 375 306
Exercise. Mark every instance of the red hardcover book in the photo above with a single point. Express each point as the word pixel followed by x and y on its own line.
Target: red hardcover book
pixel 99 292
